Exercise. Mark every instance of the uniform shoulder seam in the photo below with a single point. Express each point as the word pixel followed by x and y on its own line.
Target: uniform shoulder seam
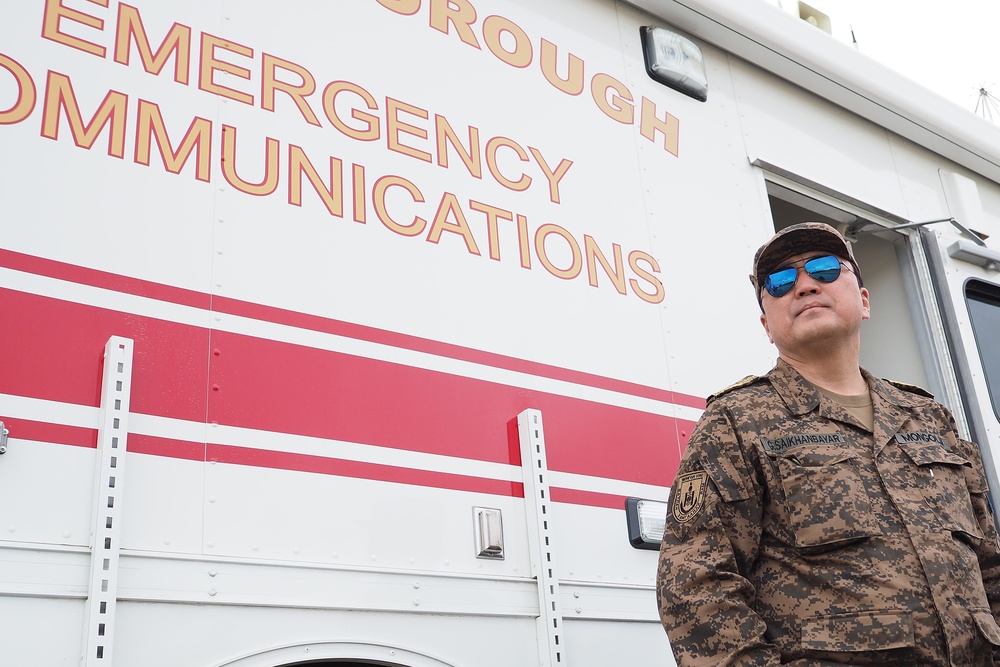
pixel 911 388
pixel 745 382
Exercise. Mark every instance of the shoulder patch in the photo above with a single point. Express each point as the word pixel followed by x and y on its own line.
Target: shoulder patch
pixel 745 382
pixel 687 497
pixel 912 388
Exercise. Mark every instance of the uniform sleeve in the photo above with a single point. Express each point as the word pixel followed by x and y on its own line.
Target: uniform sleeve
pixel 988 551
pixel 711 540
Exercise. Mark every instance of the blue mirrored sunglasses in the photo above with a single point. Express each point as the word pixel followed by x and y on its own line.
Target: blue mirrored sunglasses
pixel 824 269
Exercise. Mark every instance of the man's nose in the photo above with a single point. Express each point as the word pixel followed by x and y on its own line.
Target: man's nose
pixel 806 284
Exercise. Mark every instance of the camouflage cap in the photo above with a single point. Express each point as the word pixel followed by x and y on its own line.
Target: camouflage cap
pixel 795 240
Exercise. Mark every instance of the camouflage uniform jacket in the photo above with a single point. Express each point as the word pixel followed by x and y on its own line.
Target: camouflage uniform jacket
pixel 797 536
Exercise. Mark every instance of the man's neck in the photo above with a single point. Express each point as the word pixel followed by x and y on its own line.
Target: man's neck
pixel 840 374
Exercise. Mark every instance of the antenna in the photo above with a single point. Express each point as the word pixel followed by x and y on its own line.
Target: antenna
pixel 987 104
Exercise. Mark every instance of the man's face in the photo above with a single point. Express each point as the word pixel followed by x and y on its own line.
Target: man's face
pixel 814 315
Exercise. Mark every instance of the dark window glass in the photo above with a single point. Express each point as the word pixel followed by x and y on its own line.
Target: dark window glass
pixel 984 309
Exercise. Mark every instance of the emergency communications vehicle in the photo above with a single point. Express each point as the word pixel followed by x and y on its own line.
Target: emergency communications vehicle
pixel 372 331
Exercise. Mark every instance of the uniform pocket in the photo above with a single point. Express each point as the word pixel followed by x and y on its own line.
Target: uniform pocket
pixel 941 475
pixel 825 499
pixel 987 625
pixel 859 632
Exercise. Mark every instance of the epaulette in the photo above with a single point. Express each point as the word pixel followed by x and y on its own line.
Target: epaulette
pixel 912 388
pixel 745 382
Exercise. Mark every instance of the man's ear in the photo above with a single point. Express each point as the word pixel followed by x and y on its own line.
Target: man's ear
pixel 867 313
pixel 763 322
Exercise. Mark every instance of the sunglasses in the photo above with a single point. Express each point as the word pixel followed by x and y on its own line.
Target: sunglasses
pixel 824 269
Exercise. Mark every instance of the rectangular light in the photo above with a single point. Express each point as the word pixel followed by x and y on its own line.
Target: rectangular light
pixel 675 60
pixel 646 520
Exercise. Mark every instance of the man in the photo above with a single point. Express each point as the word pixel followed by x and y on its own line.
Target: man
pixel 822 516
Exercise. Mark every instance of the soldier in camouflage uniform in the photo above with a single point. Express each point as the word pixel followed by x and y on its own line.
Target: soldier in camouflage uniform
pixel 820 515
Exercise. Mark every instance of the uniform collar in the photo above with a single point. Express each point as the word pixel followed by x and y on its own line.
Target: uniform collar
pixel 800 397
pixel 891 393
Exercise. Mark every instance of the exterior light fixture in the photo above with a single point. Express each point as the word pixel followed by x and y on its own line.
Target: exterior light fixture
pixel 647 519
pixel 675 61
pixel 975 254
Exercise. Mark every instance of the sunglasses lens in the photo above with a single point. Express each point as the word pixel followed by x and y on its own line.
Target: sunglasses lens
pixel 778 283
pixel 824 269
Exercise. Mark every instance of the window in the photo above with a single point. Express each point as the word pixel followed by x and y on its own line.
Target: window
pixel 983 300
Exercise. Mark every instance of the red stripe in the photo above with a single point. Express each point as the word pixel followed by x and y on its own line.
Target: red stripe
pixel 270 386
pixel 262 458
pixel 589 498
pixel 25 429
pixel 110 281
pixel 54 350
pixel 437 348
pixel 161 292
pixel 59 434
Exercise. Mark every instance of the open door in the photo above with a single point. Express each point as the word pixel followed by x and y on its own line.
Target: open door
pixel 935 318
pixel 895 342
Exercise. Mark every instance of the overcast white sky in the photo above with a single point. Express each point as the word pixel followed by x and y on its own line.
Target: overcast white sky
pixel 949 46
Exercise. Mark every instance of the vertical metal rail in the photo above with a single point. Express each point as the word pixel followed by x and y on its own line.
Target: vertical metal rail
pixel 535 471
pixel 112 434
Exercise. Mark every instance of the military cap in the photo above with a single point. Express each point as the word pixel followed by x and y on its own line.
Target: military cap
pixel 797 239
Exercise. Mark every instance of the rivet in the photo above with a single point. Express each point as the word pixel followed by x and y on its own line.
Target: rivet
pixel 212 591
pixel 416 602
pixel 416 584
pixel 212 573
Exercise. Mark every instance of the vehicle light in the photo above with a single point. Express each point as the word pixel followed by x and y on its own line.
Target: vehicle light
pixel 646 521
pixel 974 254
pixel 675 61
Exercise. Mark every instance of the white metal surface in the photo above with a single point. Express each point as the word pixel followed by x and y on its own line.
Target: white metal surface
pixel 797 52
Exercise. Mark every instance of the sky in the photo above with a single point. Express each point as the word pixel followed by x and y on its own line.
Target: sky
pixel 948 46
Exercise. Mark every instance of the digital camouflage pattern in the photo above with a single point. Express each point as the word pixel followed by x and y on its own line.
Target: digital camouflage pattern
pixel 802 538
